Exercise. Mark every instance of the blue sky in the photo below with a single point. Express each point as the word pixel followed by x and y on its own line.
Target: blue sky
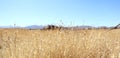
pixel 70 12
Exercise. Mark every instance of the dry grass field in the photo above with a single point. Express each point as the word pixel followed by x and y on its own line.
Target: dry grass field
pixel 22 43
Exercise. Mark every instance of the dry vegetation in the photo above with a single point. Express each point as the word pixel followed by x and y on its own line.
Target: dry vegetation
pixel 21 43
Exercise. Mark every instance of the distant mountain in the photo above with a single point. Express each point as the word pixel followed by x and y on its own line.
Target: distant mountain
pixel 4 26
pixel 10 27
pixel 41 27
pixel 27 27
pixel 73 27
pixel 84 27
pixel 34 27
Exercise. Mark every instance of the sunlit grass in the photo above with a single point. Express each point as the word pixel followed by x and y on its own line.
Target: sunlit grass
pixel 20 43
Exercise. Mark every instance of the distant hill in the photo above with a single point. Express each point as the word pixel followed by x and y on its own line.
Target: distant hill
pixel 83 27
pixel 27 27
pixel 10 27
pixel 42 27
pixel 34 27
pixel 73 27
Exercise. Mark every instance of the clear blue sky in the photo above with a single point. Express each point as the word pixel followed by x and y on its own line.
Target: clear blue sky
pixel 70 12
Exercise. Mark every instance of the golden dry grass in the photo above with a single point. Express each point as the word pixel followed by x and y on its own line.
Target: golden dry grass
pixel 21 43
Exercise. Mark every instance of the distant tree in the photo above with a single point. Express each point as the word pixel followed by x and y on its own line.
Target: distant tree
pixel 117 26
pixel 14 25
pixel 51 27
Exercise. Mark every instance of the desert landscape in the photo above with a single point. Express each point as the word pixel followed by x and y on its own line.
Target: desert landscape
pixel 93 43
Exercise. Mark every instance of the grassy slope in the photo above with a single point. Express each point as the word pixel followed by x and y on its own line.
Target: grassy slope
pixel 20 43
